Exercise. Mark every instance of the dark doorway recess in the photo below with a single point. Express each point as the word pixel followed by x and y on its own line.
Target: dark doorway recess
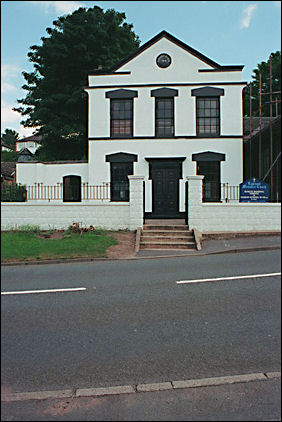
pixel 72 189
pixel 165 174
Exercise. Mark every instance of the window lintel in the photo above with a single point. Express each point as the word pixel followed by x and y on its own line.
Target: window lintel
pixel 207 91
pixel 121 94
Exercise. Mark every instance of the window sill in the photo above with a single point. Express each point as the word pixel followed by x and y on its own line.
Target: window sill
pixel 208 135
pixel 121 137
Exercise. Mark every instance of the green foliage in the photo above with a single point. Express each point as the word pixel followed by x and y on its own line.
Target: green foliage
pixel 27 246
pixel 264 68
pixel 9 156
pixel 13 193
pixel 56 101
pixel 9 138
pixel 28 228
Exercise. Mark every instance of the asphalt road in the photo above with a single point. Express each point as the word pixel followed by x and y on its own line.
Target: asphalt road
pixel 135 324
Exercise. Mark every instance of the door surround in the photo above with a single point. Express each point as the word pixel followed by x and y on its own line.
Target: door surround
pixel 165 164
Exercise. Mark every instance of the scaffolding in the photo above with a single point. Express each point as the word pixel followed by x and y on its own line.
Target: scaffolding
pixel 264 160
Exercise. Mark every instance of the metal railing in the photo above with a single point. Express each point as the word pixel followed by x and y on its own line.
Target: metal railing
pixel 38 191
pixel 219 192
pixel 229 192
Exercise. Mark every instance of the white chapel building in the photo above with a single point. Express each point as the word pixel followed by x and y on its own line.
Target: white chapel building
pixel 165 113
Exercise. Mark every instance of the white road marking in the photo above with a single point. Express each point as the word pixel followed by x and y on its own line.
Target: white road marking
pixel 238 277
pixel 25 292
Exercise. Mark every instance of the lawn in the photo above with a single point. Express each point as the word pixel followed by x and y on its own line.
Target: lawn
pixel 17 245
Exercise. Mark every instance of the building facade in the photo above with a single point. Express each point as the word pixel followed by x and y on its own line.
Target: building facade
pixel 32 143
pixel 165 113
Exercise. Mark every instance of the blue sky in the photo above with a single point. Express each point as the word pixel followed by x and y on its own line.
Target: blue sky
pixel 228 32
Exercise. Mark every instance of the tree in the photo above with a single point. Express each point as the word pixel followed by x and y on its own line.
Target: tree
pixel 9 138
pixel 264 68
pixel 56 101
pixel 9 156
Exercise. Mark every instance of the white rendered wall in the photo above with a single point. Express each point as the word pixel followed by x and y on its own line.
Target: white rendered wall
pixel 231 168
pixel 58 215
pixel 61 216
pixel 237 217
pixel 184 69
pixel 214 217
pixel 185 111
pixel 201 216
pixel 49 174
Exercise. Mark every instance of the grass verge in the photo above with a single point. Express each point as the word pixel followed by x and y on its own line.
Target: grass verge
pixel 22 246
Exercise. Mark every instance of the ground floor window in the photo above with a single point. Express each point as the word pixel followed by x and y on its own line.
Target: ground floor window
pixel 119 181
pixel 211 183
pixel 72 189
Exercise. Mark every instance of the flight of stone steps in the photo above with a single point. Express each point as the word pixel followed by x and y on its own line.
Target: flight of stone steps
pixel 167 237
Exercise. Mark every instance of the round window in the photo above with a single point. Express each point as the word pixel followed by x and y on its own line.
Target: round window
pixel 163 60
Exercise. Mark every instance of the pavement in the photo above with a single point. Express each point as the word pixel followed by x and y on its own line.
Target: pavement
pixel 240 397
pixel 215 246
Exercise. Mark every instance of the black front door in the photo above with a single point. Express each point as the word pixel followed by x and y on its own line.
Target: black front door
pixel 165 189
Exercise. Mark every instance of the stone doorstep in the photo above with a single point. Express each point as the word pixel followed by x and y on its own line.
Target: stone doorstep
pixel 165 227
pixel 168 241
pixel 163 245
pixel 167 233
pixel 167 237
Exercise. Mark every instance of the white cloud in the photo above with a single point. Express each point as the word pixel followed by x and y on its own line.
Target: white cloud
pixel 247 15
pixel 8 115
pixel 61 7
pixel 6 87
pixel 9 71
pixel 24 132
pixel 11 120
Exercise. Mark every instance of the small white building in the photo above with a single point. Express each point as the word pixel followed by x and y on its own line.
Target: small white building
pixel 32 143
pixel 166 112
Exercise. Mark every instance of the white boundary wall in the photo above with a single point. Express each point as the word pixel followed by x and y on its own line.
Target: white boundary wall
pixel 61 216
pixel 222 217
pixel 108 215
pixel 205 217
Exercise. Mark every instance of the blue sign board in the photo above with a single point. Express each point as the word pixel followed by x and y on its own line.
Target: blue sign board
pixel 254 190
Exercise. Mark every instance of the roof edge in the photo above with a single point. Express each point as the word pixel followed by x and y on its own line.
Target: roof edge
pixel 186 47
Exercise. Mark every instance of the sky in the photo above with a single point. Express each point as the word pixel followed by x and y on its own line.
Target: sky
pixel 228 32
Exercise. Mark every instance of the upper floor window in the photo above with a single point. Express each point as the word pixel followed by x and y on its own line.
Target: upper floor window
pixel 121 118
pixel 121 114
pixel 208 110
pixel 165 117
pixel 164 111
pixel 208 116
